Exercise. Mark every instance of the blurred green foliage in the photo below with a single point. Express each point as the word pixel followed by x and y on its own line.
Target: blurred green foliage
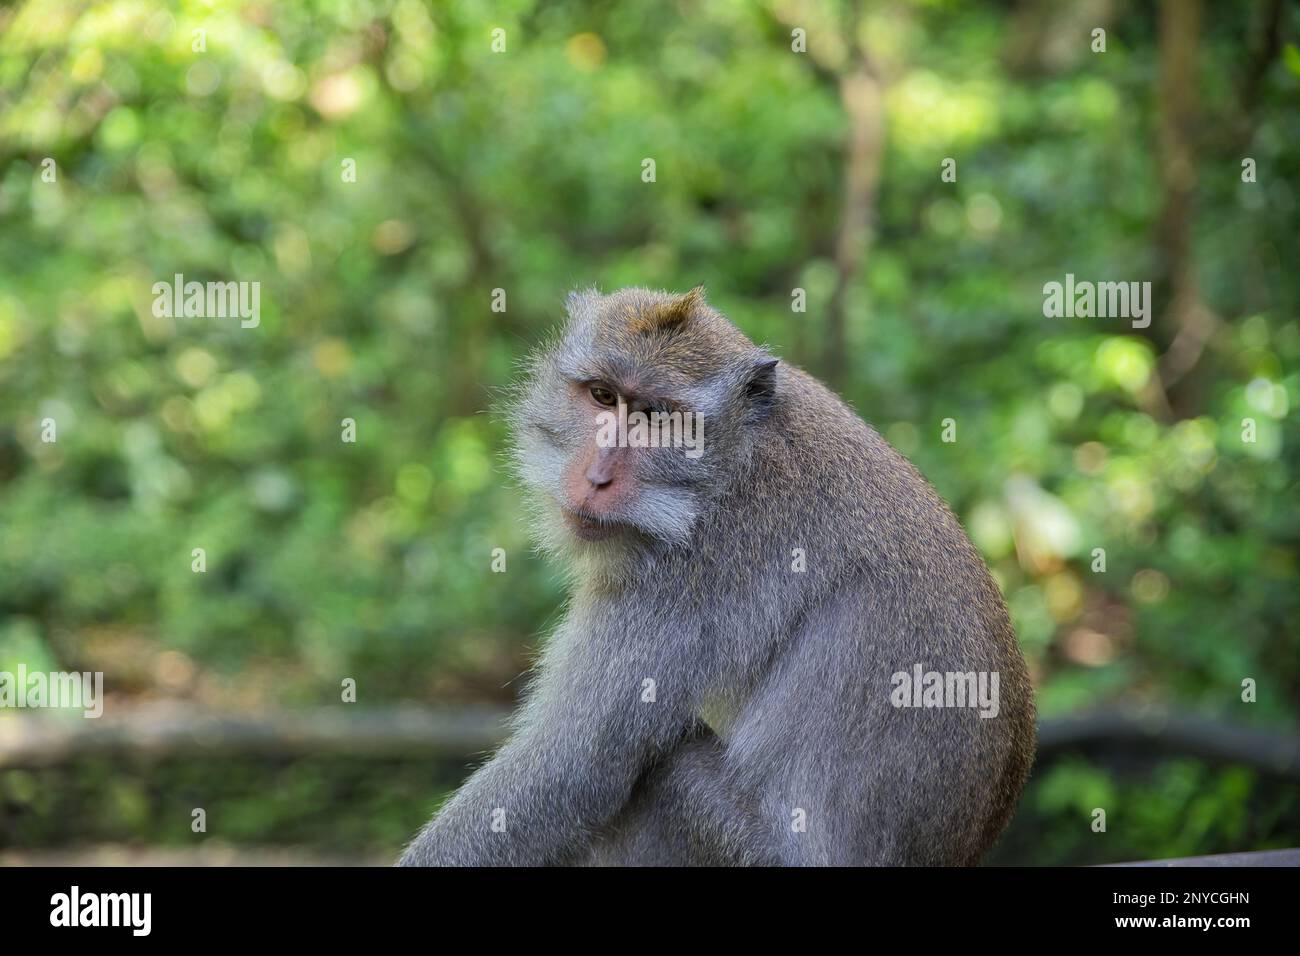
pixel 521 170
pixel 249 801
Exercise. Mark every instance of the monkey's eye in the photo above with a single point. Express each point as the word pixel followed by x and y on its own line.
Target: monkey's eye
pixel 603 396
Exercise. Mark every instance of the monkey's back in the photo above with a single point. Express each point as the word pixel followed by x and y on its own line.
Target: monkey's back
pixel 890 583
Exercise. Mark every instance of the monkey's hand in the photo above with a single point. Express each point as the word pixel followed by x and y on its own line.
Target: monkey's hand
pixel 533 804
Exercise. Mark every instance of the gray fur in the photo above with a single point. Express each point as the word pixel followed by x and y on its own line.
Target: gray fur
pixel 791 671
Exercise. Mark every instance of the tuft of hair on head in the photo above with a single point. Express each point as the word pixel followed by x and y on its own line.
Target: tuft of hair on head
pixel 670 314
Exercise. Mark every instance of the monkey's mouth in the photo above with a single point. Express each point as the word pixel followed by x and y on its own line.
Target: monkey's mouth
pixel 589 527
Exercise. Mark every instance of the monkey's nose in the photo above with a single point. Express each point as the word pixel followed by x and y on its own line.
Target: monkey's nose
pixel 601 471
pixel 600 475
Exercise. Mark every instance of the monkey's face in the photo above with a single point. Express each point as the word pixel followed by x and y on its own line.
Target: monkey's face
pixel 635 420
pixel 620 474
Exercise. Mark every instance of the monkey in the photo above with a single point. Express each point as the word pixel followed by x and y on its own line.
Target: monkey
pixel 726 687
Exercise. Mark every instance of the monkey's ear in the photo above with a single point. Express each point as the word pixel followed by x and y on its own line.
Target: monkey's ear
pixel 760 386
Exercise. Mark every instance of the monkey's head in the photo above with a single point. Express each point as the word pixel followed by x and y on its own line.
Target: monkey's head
pixel 578 437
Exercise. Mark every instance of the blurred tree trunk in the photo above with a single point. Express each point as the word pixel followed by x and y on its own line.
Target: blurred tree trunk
pixel 1267 47
pixel 839 55
pixel 1183 326
pixel 862 96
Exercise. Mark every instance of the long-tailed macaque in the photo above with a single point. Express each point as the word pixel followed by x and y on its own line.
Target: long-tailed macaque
pixel 780 649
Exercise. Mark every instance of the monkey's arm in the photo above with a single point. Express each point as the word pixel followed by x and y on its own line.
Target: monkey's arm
pixel 690 810
pixel 584 737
